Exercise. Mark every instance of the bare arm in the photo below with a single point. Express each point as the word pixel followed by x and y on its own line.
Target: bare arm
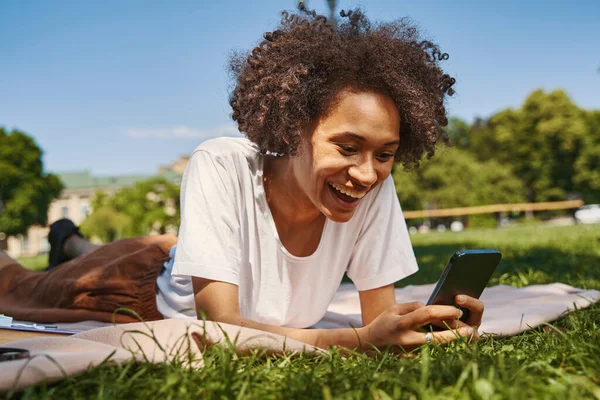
pixel 374 302
pixel 219 301
pixel 398 325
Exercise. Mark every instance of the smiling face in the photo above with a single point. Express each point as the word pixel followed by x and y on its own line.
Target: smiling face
pixel 348 153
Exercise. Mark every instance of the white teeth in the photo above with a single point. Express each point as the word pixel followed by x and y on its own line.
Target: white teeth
pixel 347 191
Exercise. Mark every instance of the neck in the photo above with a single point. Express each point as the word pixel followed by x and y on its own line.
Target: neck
pixel 289 205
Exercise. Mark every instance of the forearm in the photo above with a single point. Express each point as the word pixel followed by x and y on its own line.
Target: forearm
pixel 323 338
pixel 226 309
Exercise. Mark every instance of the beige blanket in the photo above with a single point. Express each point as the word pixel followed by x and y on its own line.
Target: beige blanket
pixel 509 311
pixel 55 358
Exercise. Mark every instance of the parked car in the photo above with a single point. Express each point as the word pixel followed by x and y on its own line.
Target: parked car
pixel 588 214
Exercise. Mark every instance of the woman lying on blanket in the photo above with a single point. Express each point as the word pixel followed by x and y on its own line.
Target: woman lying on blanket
pixel 272 222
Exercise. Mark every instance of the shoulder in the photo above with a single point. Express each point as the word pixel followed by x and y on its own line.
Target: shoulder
pixel 226 154
pixel 227 147
pixel 224 161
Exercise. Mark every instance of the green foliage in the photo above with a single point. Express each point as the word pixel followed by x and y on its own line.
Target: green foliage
pixel 105 224
pixel 587 166
pixel 25 190
pixel 455 178
pixel 458 132
pixel 548 149
pixel 479 221
pixel 535 254
pixel 151 205
pixel 559 361
pixel 548 144
pixel 35 263
pixel 552 130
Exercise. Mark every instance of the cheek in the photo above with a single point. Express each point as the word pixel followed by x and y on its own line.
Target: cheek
pixel 384 171
pixel 326 162
pixel 331 169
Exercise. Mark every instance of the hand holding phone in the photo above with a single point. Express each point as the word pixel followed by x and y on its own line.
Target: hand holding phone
pixel 468 272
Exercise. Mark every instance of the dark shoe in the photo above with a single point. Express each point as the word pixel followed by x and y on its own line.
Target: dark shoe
pixel 60 231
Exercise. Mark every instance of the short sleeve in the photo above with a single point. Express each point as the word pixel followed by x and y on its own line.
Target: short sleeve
pixel 383 253
pixel 209 237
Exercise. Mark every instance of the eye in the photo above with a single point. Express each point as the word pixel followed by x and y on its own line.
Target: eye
pixel 385 157
pixel 348 149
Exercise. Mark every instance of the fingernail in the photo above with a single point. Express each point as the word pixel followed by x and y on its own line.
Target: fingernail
pixel 461 299
pixel 460 312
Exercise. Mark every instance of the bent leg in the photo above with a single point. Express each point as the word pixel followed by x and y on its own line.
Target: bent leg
pixel 62 231
pixel 76 246
pixel 93 286
pixel 5 259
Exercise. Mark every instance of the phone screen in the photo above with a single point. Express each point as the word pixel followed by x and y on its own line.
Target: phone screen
pixel 468 272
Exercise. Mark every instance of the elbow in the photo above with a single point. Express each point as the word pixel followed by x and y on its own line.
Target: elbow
pixel 231 319
pixel 226 318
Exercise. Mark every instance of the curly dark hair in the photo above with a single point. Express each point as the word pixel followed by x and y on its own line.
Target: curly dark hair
pixel 295 75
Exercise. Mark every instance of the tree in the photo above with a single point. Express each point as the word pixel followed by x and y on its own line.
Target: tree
pixel 149 206
pixel 540 142
pixel 548 149
pixel 495 138
pixel 25 190
pixel 407 188
pixel 459 133
pixel 455 178
pixel 587 165
pixel 105 224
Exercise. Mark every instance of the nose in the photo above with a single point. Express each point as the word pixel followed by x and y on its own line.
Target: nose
pixel 364 173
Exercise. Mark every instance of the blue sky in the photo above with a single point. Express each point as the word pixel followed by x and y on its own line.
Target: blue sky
pixel 120 87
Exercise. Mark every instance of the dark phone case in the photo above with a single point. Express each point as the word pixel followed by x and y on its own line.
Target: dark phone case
pixel 467 272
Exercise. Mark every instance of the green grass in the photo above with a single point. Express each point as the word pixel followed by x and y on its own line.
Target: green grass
pixel 559 362
pixel 36 263
pixel 530 255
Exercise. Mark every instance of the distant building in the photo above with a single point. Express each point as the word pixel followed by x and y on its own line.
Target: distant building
pixel 75 203
pixel 177 167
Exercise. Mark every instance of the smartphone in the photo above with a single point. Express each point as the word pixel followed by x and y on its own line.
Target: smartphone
pixel 468 272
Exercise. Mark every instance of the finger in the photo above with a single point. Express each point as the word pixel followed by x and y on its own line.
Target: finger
pixel 428 314
pixel 450 323
pixel 405 308
pixel 203 341
pixel 475 307
pixel 445 337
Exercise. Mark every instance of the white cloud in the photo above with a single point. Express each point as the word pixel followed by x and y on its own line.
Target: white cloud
pixel 183 132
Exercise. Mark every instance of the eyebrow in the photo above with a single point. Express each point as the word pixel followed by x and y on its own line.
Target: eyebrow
pixel 362 139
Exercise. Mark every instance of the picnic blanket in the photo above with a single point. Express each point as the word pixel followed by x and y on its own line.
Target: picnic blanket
pixel 509 311
pixel 55 358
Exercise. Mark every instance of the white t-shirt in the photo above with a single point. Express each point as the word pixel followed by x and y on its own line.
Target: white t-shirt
pixel 227 234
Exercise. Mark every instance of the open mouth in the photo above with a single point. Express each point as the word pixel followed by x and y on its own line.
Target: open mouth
pixel 346 195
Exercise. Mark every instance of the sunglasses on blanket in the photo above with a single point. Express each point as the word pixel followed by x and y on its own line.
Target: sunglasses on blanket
pixel 11 353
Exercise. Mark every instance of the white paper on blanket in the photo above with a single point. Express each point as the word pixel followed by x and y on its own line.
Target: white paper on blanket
pixel 508 310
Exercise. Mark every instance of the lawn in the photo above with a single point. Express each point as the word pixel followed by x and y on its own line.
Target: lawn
pixel 36 263
pixel 561 361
